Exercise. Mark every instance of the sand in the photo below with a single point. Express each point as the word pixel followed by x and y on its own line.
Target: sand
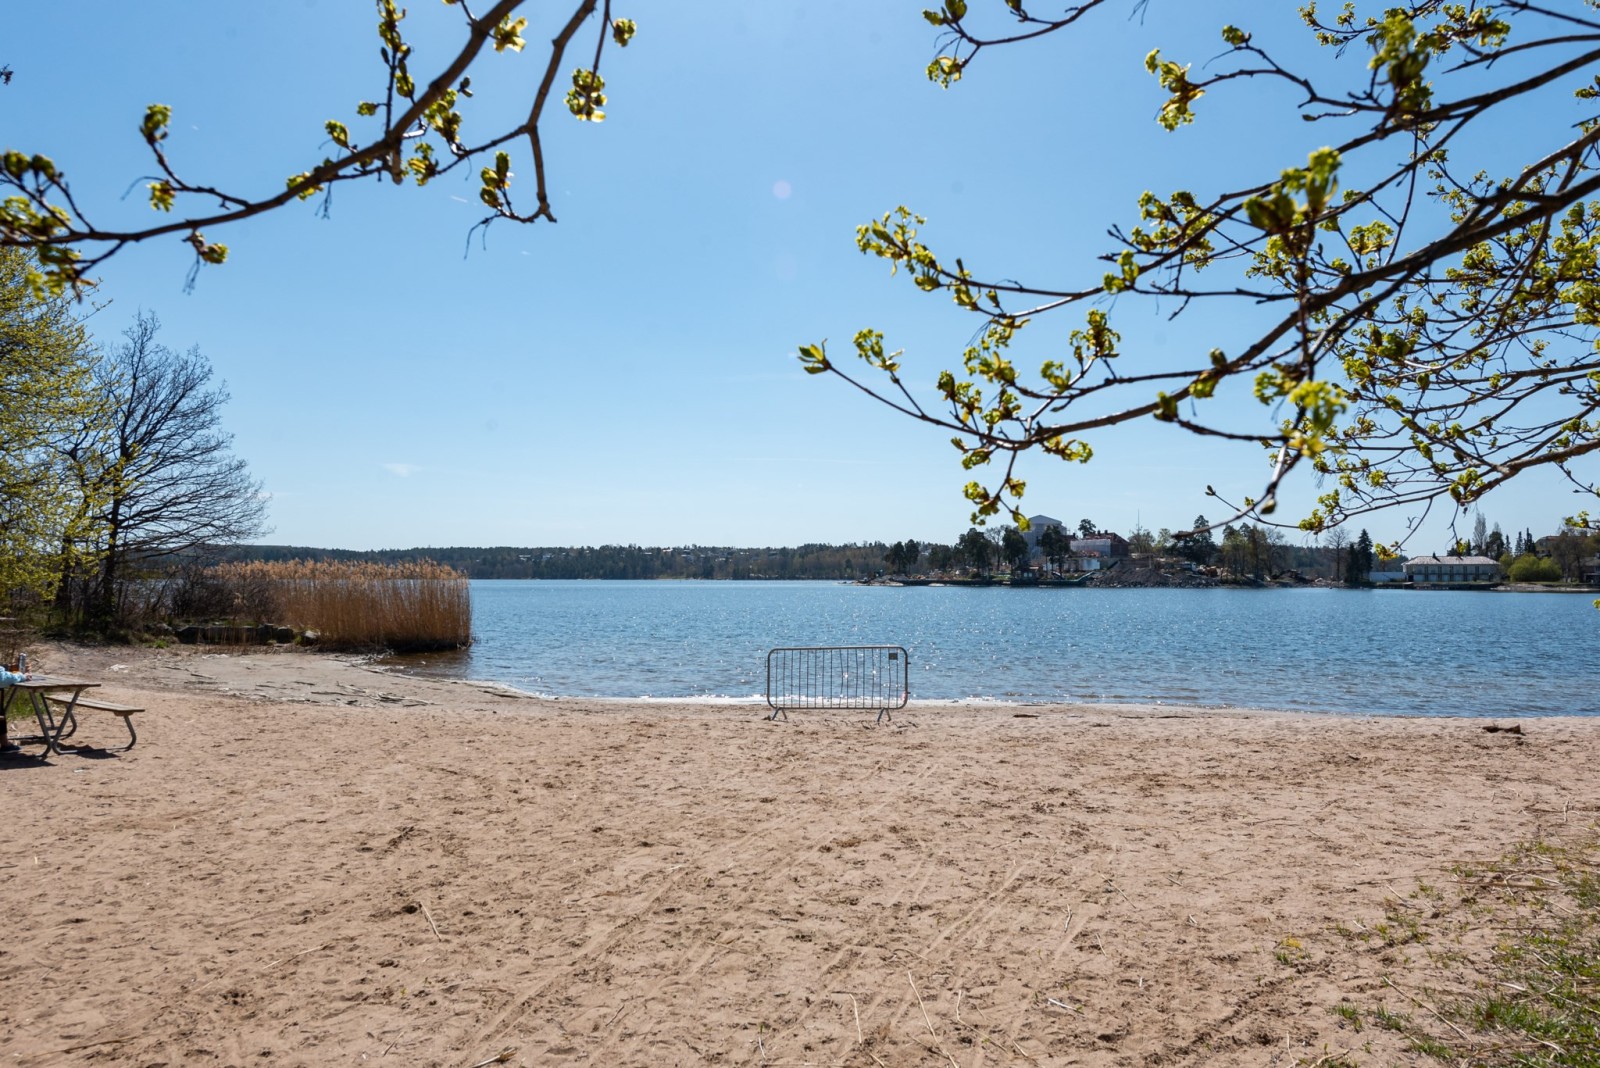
pixel 308 862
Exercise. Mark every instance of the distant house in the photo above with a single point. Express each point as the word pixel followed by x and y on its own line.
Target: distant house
pixel 1451 569
pixel 1103 544
pixel 1038 524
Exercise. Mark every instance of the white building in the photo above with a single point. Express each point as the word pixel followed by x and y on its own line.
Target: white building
pixel 1452 569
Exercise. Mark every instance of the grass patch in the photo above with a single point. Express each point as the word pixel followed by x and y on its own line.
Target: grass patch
pixel 1535 1003
pixel 1399 928
pixel 1546 996
pixel 1390 1021
pixel 1291 952
pixel 1349 1014
pixel 1330 1060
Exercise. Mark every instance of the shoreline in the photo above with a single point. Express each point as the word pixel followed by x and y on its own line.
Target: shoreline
pixel 307 860
pixel 1079 708
pixel 1151 706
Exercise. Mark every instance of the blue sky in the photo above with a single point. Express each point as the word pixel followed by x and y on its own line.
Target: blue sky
pixel 628 375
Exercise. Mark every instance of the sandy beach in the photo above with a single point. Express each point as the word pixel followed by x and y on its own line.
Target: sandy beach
pixel 306 861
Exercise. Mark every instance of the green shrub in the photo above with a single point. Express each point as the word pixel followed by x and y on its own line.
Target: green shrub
pixel 1530 568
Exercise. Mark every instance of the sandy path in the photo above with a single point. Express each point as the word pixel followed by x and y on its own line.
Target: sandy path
pixel 260 879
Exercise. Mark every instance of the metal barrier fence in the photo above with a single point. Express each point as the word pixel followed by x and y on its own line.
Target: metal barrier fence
pixel 866 677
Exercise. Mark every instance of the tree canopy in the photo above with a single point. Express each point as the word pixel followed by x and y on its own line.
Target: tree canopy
pixel 1418 296
pixel 1429 285
pixel 413 128
pixel 46 390
pixel 105 461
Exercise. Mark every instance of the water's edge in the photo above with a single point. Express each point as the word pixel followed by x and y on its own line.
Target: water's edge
pixel 1319 651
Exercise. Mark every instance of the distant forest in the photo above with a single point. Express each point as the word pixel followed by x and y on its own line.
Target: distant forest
pixel 835 562
pixel 613 561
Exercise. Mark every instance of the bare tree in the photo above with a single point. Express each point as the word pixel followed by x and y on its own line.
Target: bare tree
pixel 1336 540
pixel 1568 549
pixel 167 481
pixel 1274 550
pixel 1480 534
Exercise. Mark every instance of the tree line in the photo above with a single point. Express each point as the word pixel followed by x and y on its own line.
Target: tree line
pixel 1247 550
pixel 810 561
pixel 1244 550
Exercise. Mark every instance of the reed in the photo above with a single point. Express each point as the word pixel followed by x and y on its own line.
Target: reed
pixel 405 607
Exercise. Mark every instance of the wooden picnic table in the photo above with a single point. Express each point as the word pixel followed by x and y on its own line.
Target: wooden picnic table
pixel 41 691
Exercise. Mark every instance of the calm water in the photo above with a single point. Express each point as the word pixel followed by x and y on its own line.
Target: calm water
pixel 1437 654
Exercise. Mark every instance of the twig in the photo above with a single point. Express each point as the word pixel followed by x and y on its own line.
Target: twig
pixel 423 905
pixel 857 1010
pixel 929 1022
pixel 1498 884
pixel 220 975
pixel 1424 1005
pixel 499 1058
pixel 91 1045
pixel 291 956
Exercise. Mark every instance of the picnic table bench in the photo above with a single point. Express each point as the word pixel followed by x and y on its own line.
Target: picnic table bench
pixel 122 712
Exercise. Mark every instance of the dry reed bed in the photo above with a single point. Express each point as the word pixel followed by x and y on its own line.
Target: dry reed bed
pixel 403 607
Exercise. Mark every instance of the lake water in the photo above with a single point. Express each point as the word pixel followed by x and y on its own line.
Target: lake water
pixel 1328 650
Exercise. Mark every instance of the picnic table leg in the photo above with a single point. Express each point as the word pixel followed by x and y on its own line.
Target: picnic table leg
pixel 50 727
pixel 69 719
pixel 46 720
